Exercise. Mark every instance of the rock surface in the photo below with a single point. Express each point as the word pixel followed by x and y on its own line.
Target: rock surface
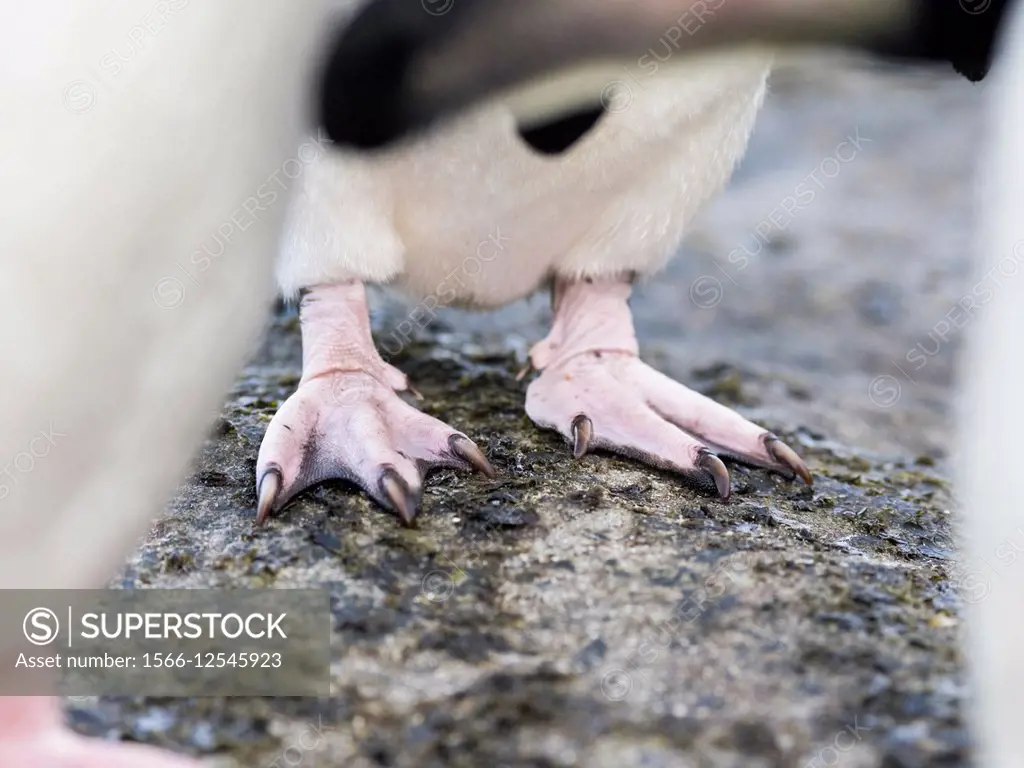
pixel 596 613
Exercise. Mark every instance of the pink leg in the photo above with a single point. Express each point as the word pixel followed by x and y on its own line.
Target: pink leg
pixel 345 420
pixel 33 735
pixel 594 390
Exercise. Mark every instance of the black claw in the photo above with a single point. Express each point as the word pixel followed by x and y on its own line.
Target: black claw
pixel 787 457
pixel 582 433
pixel 269 490
pixel 714 467
pixel 396 491
pixel 468 451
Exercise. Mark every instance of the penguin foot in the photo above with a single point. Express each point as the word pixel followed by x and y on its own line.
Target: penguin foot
pixel 32 735
pixel 347 422
pixel 595 391
pixel 349 426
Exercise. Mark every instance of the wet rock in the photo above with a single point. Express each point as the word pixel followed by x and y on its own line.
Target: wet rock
pixel 598 613
pixel 879 303
pixel 505 517
pixel 591 655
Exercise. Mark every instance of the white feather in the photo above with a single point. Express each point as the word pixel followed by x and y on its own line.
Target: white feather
pixel 429 216
pixel 110 186
pixel 991 426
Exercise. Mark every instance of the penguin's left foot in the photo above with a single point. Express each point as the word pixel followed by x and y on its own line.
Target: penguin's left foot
pixel 596 392
pixel 347 421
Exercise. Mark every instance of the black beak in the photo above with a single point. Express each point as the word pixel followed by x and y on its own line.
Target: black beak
pixel 403 64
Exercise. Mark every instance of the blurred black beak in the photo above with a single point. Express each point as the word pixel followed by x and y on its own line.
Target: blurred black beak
pixel 403 64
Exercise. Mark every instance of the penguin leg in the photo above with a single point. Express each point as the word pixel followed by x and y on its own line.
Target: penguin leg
pixel 596 392
pixel 347 422
pixel 32 733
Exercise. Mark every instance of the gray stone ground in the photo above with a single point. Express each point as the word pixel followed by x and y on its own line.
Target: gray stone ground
pixel 596 613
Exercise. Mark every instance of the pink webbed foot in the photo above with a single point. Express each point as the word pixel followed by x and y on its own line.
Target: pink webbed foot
pixel 32 735
pixel 347 422
pixel 596 392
